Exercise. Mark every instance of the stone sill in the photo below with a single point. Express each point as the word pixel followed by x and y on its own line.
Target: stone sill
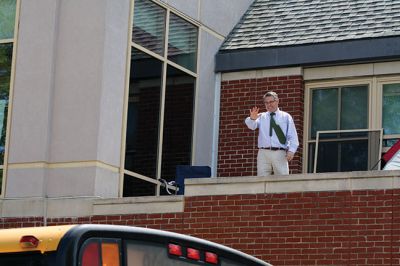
pixel 344 181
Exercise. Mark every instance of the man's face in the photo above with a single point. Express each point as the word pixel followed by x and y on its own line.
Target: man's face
pixel 271 104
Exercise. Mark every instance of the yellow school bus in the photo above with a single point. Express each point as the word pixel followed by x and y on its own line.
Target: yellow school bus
pixel 110 245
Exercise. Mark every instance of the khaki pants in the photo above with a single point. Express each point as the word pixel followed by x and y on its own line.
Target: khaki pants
pixel 269 162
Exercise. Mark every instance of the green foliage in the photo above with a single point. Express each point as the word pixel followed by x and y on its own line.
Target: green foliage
pixel 7 18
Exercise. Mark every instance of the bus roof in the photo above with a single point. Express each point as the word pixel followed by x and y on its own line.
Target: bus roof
pixel 66 239
pixel 49 238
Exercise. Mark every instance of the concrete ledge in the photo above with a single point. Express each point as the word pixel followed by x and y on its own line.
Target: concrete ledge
pixel 90 206
pixel 163 204
pixel 362 180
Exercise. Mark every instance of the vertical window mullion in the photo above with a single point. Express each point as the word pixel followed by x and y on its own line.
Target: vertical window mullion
pixel 162 102
pixel 338 119
pixel 338 125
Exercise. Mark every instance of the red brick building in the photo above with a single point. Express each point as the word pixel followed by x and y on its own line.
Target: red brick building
pixel 99 102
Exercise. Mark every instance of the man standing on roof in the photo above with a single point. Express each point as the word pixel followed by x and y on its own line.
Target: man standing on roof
pixel 277 137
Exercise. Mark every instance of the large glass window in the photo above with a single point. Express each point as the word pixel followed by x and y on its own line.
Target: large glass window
pixel 339 108
pixel 349 108
pixel 161 98
pixel 7 31
pixel 177 134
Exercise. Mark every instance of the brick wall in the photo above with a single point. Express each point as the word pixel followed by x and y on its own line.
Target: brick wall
pixel 305 228
pixel 237 149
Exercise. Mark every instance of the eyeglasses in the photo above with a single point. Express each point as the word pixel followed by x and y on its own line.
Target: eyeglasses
pixel 269 102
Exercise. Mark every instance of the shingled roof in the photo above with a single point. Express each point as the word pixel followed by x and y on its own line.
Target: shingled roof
pixel 270 23
pixel 281 33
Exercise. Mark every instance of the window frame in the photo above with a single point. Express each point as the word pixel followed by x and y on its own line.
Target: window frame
pixel 317 142
pixel 380 82
pixel 375 105
pixel 166 63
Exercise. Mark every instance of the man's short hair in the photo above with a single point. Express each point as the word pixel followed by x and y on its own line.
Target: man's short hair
pixel 271 94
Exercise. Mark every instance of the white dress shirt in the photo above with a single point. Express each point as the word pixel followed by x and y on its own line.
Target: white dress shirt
pixel 284 120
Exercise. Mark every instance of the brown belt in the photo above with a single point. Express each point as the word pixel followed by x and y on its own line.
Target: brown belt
pixel 272 148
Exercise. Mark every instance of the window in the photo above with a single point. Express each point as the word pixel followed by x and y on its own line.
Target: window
pixel 7 40
pixel 390 113
pixel 161 97
pixel 352 114
pixel 338 108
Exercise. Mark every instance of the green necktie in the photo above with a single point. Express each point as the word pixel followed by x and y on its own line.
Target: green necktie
pixel 277 129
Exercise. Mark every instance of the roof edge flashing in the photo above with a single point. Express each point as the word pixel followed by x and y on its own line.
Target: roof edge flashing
pixel 332 53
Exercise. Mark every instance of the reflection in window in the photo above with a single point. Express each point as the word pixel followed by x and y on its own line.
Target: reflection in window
pixel 137 187
pixel 342 156
pixel 339 108
pixel 182 42
pixel 7 18
pixel 149 26
pixel 143 114
pixel 354 107
pixel 348 151
pixel 391 109
pixel 5 74
pixel 161 97
pixel 178 121
pixel 324 110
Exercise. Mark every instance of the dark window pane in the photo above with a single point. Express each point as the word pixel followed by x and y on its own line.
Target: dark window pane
pixel 178 122
pixel 5 74
pixel 324 112
pixel 389 142
pixel 342 156
pixel 310 159
pixel 143 114
pixel 327 157
pixel 391 109
pixel 354 156
pixel 182 42
pixel 135 187
pixel 7 18
pixel 357 151
pixel 354 111
pixel 149 26
pixel 1 182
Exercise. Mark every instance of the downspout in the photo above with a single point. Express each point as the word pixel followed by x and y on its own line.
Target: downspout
pixel 217 98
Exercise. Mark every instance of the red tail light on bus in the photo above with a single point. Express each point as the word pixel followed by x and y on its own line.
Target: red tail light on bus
pixel 29 242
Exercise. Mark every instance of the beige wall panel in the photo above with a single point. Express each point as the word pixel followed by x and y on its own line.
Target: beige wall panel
pixel 33 85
